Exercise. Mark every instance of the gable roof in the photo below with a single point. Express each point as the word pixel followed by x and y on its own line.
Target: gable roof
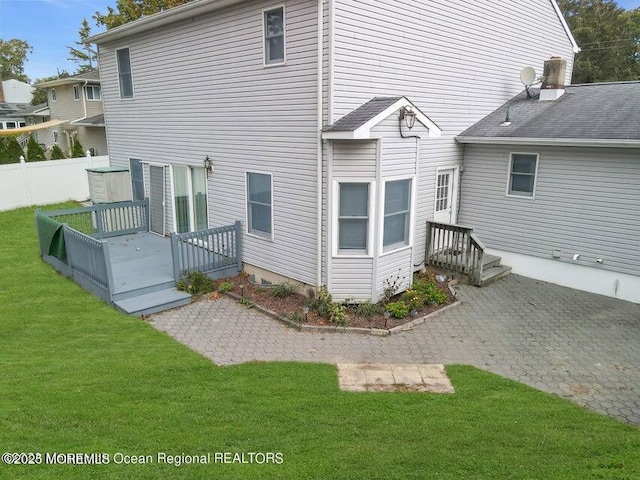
pixel 358 123
pixel 606 114
pixel 92 76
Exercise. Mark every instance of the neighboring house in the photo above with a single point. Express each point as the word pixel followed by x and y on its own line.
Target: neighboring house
pixel 76 103
pixel 303 109
pixel 556 191
pixel 15 98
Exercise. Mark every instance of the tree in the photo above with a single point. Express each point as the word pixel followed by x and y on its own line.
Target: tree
pixel 129 10
pixel 83 55
pixel 609 37
pixel 57 153
pixel 40 93
pixel 4 158
pixel 34 150
pixel 13 150
pixel 77 150
pixel 13 54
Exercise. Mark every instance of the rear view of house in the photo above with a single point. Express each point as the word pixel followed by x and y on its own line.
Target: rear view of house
pixel 327 127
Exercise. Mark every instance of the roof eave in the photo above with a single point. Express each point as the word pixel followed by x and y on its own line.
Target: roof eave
pixel 574 44
pixel 557 142
pixel 157 20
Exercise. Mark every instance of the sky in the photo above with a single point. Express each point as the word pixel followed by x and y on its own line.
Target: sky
pixel 49 26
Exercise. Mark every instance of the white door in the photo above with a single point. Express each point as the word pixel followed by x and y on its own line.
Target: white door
pixel 445 208
pixel 156 199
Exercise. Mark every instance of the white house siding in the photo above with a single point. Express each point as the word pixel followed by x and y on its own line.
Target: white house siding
pixel 200 89
pixel 456 60
pixel 586 201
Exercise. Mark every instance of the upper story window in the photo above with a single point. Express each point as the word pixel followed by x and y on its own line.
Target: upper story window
pixel 274 36
pixel 11 125
pixel 53 95
pixel 523 168
pixel 397 201
pixel 124 73
pixel 76 92
pixel 353 218
pixel 93 92
pixel 259 204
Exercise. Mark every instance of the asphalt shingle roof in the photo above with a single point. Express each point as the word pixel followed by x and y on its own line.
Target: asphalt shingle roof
pixel 362 114
pixel 588 111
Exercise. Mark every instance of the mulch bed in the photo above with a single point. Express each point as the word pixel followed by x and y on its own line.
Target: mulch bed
pixel 262 295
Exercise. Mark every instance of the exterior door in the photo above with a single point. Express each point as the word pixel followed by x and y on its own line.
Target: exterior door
pixel 445 208
pixel 137 179
pixel 156 199
pixel 189 198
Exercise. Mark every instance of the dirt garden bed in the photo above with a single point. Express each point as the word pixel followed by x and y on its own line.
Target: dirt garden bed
pixel 314 310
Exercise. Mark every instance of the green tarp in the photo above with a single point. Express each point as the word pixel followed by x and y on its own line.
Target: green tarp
pixel 51 237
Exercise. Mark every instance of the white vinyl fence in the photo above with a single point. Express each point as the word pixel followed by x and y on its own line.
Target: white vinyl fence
pixel 51 181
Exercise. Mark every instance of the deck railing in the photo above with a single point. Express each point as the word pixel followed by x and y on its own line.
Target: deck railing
pixel 454 248
pixel 215 252
pixel 106 220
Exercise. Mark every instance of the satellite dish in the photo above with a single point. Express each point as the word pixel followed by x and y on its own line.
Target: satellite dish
pixel 528 76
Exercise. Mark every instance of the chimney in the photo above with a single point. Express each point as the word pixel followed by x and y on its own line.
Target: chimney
pixel 553 79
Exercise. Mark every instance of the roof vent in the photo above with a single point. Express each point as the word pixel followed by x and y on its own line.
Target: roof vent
pixel 555 70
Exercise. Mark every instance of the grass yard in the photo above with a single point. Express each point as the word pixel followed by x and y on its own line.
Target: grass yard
pixel 78 377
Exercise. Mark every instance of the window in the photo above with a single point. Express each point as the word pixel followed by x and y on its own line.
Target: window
pixel 53 95
pixel 274 48
pixel 93 92
pixel 76 92
pixel 190 199
pixel 22 124
pixel 353 218
pixel 11 125
pixel 522 174
pixel 442 192
pixel 397 200
pixel 259 204
pixel 55 137
pixel 124 73
pixel 137 179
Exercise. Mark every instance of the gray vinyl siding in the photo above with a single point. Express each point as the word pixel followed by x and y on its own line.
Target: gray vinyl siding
pixel 200 89
pixel 586 201
pixel 457 60
pixel 93 137
pixel 394 268
pixel 65 107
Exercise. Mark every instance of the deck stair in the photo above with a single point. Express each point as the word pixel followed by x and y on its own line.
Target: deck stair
pixel 458 249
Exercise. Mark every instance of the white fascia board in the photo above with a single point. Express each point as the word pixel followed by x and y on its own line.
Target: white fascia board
pixel 576 48
pixel 558 142
pixel 189 10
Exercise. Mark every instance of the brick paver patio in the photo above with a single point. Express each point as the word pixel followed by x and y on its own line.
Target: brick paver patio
pixel 580 346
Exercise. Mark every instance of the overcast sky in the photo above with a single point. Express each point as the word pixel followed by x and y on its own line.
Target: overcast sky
pixel 51 25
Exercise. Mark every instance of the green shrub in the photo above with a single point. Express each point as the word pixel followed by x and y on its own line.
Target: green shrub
pixel 295 317
pixel 368 309
pixel 283 290
pixel 34 150
pixel 247 302
pixel 77 150
pixel 197 284
pixel 225 286
pixel 323 304
pixel 430 291
pixel 398 309
pixel 13 151
pixel 57 153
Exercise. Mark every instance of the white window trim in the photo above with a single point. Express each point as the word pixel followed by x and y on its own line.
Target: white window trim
pixel 133 89
pixel 454 189
pixel 264 38
pixel 535 176
pixel 265 236
pixel 192 213
pixel 391 249
pixel 54 97
pixel 92 87
pixel 336 253
pixel 76 93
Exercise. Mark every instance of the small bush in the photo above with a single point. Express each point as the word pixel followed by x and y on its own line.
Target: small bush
pixel 295 317
pixel 225 286
pixel 430 291
pixel 77 150
pixel 368 309
pixel 34 150
pixel 283 290
pixel 57 153
pixel 247 302
pixel 323 304
pixel 197 284
pixel 398 309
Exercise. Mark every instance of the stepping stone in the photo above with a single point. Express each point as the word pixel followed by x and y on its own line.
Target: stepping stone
pixel 387 377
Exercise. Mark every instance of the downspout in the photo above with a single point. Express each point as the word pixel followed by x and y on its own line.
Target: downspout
pixel 319 153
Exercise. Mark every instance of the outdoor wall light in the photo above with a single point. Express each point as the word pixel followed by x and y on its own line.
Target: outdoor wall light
pixel 408 115
pixel 208 165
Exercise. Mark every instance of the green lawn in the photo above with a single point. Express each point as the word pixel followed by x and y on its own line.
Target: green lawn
pixel 76 376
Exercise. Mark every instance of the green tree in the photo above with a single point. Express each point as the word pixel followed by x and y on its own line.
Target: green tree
pixel 13 150
pixel 13 54
pixel 40 93
pixel 4 158
pixel 34 150
pixel 609 38
pixel 77 150
pixel 82 54
pixel 129 10
pixel 57 153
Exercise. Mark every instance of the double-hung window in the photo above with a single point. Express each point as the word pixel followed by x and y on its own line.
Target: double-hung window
pixel 274 36
pixel 353 218
pixel 259 204
pixel 522 174
pixel 53 95
pixel 76 92
pixel 397 213
pixel 93 92
pixel 124 73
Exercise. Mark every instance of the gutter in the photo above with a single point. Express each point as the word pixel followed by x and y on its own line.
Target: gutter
pixel 557 142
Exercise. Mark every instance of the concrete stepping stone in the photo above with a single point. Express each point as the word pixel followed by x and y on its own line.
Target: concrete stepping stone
pixel 389 377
